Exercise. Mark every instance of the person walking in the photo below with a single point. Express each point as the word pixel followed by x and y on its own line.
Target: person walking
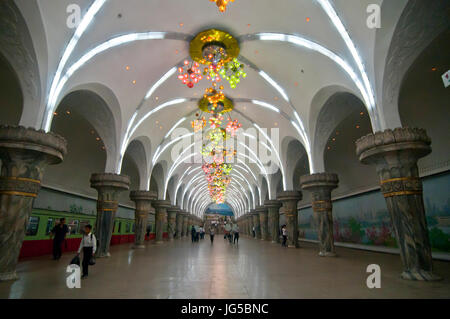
pixel 59 232
pixel 236 233
pixel 89 246
pixel 284 233
pixel 193 233
pixel 253 232
pixel 211 234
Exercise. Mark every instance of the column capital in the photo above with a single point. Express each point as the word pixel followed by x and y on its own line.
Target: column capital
pixel 261 209
pixel 289 196
pixel 160 203
pixel 253 212
pixel 173 209
pixel 319 180
pixel 110 180
pixel 372 148
pixel 143 195
pixel 19 139
pixel 272 203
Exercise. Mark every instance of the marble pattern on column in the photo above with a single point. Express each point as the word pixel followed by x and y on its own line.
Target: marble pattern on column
pixel 289 199
pixel 161 207
pixel 143 200
pixel 108 187
pixel 273 207
pixel 320 185
pixel 263 222
pixel 395 154
pixel 24 154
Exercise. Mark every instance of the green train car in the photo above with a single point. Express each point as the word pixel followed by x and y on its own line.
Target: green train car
pixel 37 240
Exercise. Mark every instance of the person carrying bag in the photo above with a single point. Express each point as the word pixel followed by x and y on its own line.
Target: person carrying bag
pixel 89 246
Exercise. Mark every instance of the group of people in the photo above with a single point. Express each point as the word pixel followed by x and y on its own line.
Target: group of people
pixel 284 235
pixel 88 243
pixel 197 233
pixel 232 233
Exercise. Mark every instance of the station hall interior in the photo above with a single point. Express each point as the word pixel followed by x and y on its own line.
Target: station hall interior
pixel 225 149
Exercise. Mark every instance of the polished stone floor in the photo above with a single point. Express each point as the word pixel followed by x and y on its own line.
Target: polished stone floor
pixel 254 269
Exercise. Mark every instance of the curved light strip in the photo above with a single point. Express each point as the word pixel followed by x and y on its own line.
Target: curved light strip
pixel 328 8
pixel 158 154
pixel 85 22
pixel 174 202
pixel 198 176
pixel 182 176
pixel 120 40
pixel 248 184
pixel 302 42
pixel 177 162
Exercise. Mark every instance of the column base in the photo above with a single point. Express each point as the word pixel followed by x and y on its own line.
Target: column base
pixel 9 276
pixel 327 254
pixel 138 246
pixel 421 275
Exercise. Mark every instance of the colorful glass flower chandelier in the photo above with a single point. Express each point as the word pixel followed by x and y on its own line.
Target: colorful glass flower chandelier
pixel 216 130
pixel 217 51
pixel 222 4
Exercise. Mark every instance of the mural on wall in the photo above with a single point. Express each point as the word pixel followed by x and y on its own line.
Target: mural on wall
pixel 220 209
pixel 364 219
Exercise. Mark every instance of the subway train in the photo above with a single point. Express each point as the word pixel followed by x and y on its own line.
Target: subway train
pixel 37 240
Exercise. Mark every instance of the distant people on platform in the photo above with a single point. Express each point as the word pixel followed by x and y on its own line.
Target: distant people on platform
pixel 228 231
pixel 89 246
pixel 235 229
pixel 193 233
pixel 253 232
pixel 212 232
pixel 202 232
pixel 284 233
pixel 59 233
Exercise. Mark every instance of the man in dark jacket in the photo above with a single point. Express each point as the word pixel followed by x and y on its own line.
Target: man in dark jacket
pixel 59 232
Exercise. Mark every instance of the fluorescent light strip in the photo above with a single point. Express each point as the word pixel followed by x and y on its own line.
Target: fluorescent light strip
pixel 328 8
pixel 277 87
pixel 88 56
pixel 158 154
pixel 85 22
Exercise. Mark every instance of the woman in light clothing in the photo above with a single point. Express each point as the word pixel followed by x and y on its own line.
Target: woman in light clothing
pixel 89 246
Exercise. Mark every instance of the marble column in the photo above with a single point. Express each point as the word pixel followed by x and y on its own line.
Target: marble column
pixel 172 221
pixel 24 153
pixel 108 187
pixel 395 153
pixel 185 224
pixel 143 200
pixel 179 223
pixel 320 185
pixel 273 207
pixel 250 224
pixel 263 222
pixel 161 207
pixel 256 223
pixel 289 200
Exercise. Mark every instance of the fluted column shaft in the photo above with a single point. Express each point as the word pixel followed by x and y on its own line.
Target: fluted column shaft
pixel 289 200
pixel 108 187
pixel 263 222
pixel 256 224
pixel 25 153
pixel 143 200
pixel 172 221
pixel 395 155
pixel 320 185
pixel 185 224
pixel 179 228
pixel 161 207
pixel 273 207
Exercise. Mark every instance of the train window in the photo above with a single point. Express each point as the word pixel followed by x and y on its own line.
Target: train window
pixel 73 226
pixel 49 227
pixel 134 227
pixel 127 228
pixel 33 225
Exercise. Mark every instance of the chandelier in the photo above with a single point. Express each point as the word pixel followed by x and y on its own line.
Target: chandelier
pixel 222 4
pixel 215 52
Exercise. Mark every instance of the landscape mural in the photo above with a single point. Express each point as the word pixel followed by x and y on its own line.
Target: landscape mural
pixel 364 219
